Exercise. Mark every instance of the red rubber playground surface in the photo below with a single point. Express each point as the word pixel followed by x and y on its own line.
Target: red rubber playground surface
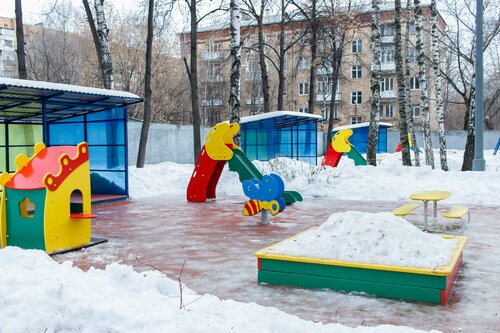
pixel 215 243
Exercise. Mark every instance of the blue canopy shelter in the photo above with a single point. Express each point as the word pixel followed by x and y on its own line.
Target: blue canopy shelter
pixel 60 115
pixel 280 134
pixel 359 138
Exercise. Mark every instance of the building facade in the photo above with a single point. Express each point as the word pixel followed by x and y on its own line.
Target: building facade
pixel 352 98
pixel 8 59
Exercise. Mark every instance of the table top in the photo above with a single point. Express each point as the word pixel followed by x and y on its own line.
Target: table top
pixel 430 195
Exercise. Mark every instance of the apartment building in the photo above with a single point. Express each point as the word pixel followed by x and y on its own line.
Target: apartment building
pixel 8 59
pixel 352 98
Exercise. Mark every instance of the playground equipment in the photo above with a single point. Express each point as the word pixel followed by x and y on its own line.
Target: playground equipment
pixel 340 145
pixel 264 196
pixel 219 148
pixel 36 211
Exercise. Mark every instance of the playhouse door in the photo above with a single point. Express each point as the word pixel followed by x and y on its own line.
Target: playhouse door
pixel 25 218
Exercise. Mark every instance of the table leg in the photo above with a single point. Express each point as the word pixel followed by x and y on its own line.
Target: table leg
pixel 435 209
pixel 425 216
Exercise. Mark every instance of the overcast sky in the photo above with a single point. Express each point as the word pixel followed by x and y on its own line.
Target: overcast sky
pixel 32 8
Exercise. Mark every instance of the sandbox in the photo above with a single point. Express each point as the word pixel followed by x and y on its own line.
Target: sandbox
pixel 406 283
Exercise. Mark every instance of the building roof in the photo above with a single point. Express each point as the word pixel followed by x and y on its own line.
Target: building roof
pixel 21 101
pixel 283 118
pixel 360 125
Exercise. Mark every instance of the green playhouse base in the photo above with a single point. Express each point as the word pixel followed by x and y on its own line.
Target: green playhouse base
pixel 406 283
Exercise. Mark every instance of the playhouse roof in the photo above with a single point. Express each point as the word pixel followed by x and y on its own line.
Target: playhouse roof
pixel 283 118
pixel 366 124
pixel 31 176
pixel 25 101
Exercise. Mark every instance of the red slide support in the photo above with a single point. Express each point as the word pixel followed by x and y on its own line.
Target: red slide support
pixel 204 179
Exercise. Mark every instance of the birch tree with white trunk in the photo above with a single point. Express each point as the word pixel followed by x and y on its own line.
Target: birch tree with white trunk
pixel 409 107
pixel 422 78
pixel 400 75
pixel 438 87
pixel 376 45
pixel 234 94
pixel 103 36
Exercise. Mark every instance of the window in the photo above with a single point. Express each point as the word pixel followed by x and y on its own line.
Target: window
pixel 323 85
pixel 214 70
pixel 8 43
pixel 412 54
pixel 303 89
pixel 387 110
pixel 357 46
pixel 414 83
pixel 325 112
pixel 356 72
pixel 387 54
pixel 304 110
pixel 214 46
pixel 356 119
pixel 356 97
pixel 387 30
pixel 387 84
pixel 303 63
pixel 415 111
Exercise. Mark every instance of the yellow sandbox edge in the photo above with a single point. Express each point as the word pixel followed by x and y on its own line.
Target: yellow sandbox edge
pixel 441 270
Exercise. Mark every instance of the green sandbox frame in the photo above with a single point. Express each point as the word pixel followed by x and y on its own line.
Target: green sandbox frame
pixel 407 283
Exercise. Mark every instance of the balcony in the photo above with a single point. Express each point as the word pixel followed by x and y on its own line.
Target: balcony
pixel 325 97
pixel 388 67
pixel 254 101
pixel 389 94
pixel 387 39
pixel 211 56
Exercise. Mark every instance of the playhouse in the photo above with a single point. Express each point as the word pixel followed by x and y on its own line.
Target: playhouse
pixel 36 210
pixel 65 115
pixel 280 134
pixel 359 137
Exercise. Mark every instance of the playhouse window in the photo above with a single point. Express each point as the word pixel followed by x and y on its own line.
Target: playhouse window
pixel 27 208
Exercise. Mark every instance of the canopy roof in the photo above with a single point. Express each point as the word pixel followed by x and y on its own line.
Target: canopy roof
pixel 25 101
pixel 283 118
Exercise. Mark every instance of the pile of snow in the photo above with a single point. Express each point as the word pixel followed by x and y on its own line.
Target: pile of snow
pixel 370 238
pixel 388 181
pixel 39 295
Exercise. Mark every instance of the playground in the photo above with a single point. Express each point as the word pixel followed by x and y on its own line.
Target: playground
pixel 204 225
pixel 215 243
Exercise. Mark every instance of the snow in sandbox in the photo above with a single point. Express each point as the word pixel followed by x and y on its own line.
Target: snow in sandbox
pixel 370 238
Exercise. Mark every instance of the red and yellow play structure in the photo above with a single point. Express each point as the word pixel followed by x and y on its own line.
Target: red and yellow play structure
pixel 220 148
pixel 36 210
pixel 340 145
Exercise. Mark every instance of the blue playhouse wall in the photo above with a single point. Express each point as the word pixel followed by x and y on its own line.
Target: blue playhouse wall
pixel 106 135
pixel 262 141
pixel 359 139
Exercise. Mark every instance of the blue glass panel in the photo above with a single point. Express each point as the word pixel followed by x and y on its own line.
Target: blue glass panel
pixel 71 119
pixel 107 115
pixel 106 182
pixel 106 133
pixel 107 158
pixel 251 152
pixel 66 134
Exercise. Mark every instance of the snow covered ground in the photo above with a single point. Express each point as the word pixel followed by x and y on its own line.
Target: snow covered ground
pixel 39 295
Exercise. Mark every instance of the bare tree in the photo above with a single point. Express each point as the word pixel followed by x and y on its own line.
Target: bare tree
pixel 100 34
pixel 422 78
pixel 21 57
pixel 234 95
pixel 460 47
pixel 141 155
pixel 258 13
pixel 403 124
pixel 371 150
pixel 436 62
pixel 409 112
pixel 310 11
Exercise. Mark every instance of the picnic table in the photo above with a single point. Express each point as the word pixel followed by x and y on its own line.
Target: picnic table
pixel 427 196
